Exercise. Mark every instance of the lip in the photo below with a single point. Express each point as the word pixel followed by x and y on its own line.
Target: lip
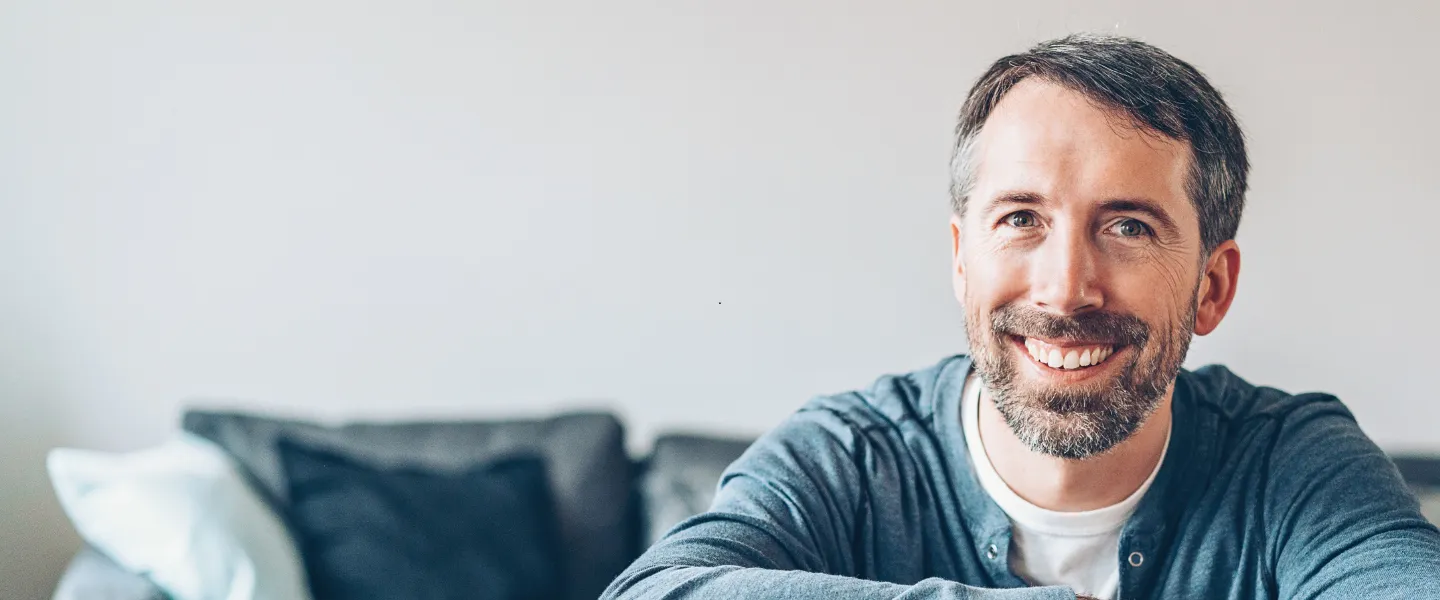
pixel 1061 343
pixel 1065 375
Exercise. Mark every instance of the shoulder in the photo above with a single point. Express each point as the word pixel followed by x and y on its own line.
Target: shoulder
pixel 1332 507
pixel 894 401
pixel 1297 440
pixel 1240 407
pixel 857 421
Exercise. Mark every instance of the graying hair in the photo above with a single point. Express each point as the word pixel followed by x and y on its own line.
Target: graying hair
pixel 1152 89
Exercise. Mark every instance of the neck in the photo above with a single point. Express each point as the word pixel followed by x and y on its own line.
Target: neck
pixel 1070 485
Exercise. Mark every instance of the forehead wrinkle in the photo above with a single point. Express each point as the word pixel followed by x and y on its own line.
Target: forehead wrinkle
pixel 1048 140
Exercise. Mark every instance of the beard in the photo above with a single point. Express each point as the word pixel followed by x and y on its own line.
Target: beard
pixel 1083 420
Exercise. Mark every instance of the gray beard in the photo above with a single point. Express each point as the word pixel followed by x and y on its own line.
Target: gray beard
pixel 1078 423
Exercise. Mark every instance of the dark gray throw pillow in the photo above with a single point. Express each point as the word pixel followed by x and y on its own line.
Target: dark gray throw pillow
pixel 401 532
pixel 590 474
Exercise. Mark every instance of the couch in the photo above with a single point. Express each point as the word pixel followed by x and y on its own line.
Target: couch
pixel 608 506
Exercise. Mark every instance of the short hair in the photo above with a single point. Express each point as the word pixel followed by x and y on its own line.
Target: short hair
pixel 1148 86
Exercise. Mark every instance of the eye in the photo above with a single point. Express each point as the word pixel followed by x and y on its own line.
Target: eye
pixel 1131 228
pixel 1021 219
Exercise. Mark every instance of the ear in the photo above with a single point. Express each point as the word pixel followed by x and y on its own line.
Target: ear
pixel 957 263
pixel 1217 287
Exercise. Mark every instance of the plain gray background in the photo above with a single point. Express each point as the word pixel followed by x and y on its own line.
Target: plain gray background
pixel 698 214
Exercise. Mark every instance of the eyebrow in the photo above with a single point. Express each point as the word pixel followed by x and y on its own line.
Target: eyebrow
pixel 1140 205
pixel 1144 206
pixel 1022 198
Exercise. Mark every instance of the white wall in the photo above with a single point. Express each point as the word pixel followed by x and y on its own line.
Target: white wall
pixel 697 215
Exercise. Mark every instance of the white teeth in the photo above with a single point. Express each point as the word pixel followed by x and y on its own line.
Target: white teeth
pixel 1058 358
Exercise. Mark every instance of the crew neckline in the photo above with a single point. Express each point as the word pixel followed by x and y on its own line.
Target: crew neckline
pixel 1023 512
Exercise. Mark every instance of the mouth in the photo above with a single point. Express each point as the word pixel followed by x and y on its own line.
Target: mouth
pixel 1071 356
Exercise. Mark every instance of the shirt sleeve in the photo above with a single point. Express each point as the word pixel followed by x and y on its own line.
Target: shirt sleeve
pixel 1343 523
pixel 781 527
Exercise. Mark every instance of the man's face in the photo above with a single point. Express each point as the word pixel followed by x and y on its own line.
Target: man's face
pixel 1078 265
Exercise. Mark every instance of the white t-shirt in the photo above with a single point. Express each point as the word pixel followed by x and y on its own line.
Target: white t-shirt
pixel 1080 550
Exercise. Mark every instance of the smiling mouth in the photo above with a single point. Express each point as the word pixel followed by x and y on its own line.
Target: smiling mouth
pixel 1068 357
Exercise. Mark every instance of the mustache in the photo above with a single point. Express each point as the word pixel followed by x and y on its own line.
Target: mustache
pixel 1097 326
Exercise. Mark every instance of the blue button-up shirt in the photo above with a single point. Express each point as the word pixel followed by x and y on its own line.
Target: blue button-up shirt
pixel 870 494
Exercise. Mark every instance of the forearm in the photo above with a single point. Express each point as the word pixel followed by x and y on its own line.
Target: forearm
pixel 784 526
pixel 719 557
pixel 704 583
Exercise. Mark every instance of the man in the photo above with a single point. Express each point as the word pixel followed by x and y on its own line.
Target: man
pixel 1097 185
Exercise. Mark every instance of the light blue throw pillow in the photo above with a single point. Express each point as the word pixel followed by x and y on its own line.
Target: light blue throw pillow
pixel 182 515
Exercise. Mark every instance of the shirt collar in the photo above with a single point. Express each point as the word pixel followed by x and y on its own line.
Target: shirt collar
pixel 1155 514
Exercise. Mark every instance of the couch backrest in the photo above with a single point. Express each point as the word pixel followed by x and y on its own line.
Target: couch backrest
pixel 1423 475
pixel 590 474
pixel 681 477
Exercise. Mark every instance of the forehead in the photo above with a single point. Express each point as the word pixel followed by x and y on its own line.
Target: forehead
pixel 1048 140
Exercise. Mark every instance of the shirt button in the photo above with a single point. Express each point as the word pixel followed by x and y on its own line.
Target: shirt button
pixel 1136 559
pixel 992 552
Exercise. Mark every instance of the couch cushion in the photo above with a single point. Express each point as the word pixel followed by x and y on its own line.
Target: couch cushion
pixel 681 477
pixel 365 532
pixel 589 472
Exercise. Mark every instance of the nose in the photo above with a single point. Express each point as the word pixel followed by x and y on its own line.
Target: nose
pixel 1064 274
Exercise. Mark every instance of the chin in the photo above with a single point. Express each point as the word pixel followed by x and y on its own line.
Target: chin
pixel 1071 415
pixel 1073 436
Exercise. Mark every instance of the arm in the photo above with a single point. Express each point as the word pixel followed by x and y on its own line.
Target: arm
pixel 1342 522
pixel 781 527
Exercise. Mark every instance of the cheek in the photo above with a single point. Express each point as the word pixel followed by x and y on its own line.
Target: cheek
pixel 1166 273
pixel 995 274
pixel 1159 294
pixel 987 289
